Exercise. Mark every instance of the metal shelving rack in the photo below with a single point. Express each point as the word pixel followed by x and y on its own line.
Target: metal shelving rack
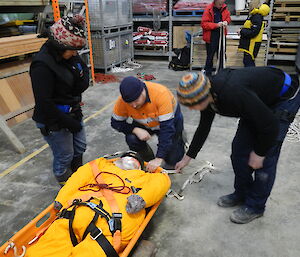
pixel 171 19
pixel 278 24
pixel 168 19
pixel 112 27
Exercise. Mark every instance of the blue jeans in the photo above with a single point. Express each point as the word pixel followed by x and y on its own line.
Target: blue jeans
pixel 65 146
pixel 256 190
pixel 176 150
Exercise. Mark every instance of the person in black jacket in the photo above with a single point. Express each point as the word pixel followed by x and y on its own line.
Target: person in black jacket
pixel 266 100
pixel 59 77
pixel 251 34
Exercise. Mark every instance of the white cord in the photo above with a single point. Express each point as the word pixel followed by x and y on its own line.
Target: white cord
pixel 293 134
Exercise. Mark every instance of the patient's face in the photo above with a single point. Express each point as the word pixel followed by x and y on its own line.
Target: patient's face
pixel 128 163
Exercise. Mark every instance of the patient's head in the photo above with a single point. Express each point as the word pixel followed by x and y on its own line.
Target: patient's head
pixel 130 161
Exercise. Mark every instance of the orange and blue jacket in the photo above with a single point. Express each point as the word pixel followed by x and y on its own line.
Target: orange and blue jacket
pixel 159 115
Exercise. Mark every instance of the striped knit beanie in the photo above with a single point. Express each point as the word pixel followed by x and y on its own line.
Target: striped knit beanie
pixel 68 33
pixel 193 89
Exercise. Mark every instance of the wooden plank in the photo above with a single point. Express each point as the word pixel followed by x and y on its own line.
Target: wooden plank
pixel 13 68
pixel 15 93
pixel 10 99
pixel 283 50
pixel 18 112
pixel 22 49
pixel 287 1
pixel 17 38
pixel 21 87
pixel 284 43
pixel 287 9
pixel 20 45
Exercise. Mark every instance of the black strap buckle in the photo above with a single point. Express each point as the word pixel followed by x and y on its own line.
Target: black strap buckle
pixel 96 233
pixel 65 214
pixel 115 222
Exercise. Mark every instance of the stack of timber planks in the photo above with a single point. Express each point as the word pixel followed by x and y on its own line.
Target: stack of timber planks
pixel 16 97
pixel 20 45
pixel 285 30
pixel 286 10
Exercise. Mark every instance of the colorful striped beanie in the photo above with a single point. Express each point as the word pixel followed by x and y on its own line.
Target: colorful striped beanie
pixel 193 89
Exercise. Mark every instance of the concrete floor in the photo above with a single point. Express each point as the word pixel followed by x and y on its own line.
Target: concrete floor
pixel 195 226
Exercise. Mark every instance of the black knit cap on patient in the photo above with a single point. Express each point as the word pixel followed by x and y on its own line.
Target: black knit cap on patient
pixel 131 88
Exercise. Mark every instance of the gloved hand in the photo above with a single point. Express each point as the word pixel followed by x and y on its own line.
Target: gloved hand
pixel 76 66
pixel 135 204
pixel 57 205
pixel 71 124
pixel 77 113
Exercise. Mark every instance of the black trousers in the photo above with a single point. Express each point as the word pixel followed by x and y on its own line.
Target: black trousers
pixel 211 49
pixel 248 61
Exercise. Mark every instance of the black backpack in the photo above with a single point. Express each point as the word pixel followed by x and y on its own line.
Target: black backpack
pixel 182 59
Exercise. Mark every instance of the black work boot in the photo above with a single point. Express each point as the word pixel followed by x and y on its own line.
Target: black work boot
pixel 76 163
pixel 62 179
pixel 244 215
pixel 230 200
pixel 146 154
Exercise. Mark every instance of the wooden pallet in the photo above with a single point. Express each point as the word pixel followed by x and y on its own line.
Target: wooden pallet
pixel 283 50
pixel 286 3
pixel 285 38
pixel 285 17
pixel 293 9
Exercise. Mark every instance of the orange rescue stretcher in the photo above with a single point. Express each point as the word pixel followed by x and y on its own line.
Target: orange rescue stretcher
pixel 16 246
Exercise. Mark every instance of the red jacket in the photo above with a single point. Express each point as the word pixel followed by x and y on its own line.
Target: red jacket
pixel 207 22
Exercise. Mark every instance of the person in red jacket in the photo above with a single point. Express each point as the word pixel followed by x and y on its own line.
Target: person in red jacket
pixel 216 15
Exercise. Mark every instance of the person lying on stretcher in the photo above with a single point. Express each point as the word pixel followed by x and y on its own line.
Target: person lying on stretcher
pixel 101 207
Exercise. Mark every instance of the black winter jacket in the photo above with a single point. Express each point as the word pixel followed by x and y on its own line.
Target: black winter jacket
pixel 250 94
pixel 56 81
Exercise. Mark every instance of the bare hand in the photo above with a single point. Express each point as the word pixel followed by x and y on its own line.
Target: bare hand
pixel 225 23
pixel 255 161
pixel 181 164
pixel 142 134
pixel 220 24
pixel 154 164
